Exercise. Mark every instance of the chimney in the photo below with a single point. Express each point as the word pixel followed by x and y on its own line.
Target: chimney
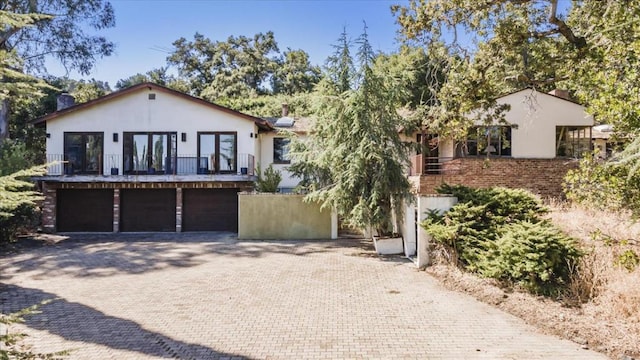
pixel 285 110
pixel 65 100
pixel 560 93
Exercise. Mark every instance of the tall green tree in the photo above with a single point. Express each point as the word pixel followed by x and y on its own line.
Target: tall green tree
pixel 32 31
pixel 158 76
pixel 412 69
pixel 354 159
pixel 492 47
pixel 340 68
pixel 295 74
pixel 240 66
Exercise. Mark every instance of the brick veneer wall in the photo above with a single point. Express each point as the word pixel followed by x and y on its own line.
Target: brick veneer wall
pixel 540 176
pixel 49 208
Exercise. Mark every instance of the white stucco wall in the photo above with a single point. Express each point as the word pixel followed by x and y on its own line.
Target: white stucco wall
pixel 167 113
pixel 536 116
pixel 266 158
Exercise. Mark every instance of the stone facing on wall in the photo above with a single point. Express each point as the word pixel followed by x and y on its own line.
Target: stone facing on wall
pixel 540 176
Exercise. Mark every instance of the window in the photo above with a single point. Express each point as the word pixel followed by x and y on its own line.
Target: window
pixel 83 153
pixel 281 151
pixel 217 152
pixel 149 152
pixel 573 141
pixel 488 141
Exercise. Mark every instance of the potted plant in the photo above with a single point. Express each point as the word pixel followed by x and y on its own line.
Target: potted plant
pixel 389 245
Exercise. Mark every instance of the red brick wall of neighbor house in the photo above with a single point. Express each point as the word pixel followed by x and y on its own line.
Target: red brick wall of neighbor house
pixel 540 176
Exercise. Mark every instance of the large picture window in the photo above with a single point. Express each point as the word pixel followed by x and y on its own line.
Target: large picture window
pixel 83 152
pixel 488 141
pixel 573 141
pixel 281 151
pixel 217 152
pixel 149 152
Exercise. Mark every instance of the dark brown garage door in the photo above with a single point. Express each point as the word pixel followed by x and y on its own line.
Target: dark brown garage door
pixel 210 210
pixel 148 210
pixel 84 210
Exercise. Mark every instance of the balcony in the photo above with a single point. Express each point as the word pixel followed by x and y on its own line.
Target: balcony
pixel 111 167
pixel 423 165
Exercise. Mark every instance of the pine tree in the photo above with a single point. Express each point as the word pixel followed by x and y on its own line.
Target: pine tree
pixel 354 159
pixel 18 199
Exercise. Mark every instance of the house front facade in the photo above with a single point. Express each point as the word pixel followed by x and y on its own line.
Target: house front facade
pixel 540 140
pixel 148 158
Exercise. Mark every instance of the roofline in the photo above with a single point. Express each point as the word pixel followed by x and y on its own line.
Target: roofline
pixel 539 92
pixel 261 123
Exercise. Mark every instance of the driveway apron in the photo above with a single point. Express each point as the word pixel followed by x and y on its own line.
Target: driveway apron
pixel 210 296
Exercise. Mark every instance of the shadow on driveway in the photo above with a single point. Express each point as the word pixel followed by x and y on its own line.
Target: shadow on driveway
pixel 100 255
pixel 80 323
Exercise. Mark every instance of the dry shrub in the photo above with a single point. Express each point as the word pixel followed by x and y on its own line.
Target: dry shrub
pixel 622 297
pixel 589 277
pixel 600 277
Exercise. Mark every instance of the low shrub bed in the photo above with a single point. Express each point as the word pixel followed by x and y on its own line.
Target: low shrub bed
pixel 501 233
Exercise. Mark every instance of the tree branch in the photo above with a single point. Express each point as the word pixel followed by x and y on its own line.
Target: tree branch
pixel 564 29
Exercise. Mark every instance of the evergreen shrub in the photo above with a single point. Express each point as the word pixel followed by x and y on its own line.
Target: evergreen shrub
pixel 500 233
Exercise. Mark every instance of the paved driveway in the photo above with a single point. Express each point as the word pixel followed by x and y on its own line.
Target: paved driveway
pixel 209 296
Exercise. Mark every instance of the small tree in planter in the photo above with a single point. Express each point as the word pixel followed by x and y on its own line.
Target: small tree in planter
pixel 354 160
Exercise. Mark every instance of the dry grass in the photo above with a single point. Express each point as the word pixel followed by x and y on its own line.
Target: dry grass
pixel 601 308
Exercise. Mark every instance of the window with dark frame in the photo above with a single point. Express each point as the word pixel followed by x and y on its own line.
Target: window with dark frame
pixel 488 141
pixel 83 152
pixel 149 152
pixel 281 150
pixel 573 141
pixel 218 152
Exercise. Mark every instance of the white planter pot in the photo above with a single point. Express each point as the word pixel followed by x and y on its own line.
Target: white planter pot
pixel 388 246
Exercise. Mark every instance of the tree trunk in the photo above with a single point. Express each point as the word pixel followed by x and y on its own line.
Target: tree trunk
pixel 4 120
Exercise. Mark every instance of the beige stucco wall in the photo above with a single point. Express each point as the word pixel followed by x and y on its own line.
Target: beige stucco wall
pixel 135 112
pixel 535 116
pixel 266 158
pixel 281 216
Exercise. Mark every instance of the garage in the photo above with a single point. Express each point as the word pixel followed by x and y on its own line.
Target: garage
pixel 210 210
pixel 89 210
pixel 147 210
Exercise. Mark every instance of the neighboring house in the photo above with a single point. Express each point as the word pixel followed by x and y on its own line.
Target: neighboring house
pixel 605 140
pixel 533 150
pixel 148 158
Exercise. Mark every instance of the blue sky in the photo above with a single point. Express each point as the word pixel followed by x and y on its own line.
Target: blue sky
pixel 144 27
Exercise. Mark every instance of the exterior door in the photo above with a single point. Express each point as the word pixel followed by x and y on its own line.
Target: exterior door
pixel 149 153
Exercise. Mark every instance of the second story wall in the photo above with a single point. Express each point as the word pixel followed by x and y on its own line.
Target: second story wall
pixel 535 117
pixel 267 157
pixel 150 110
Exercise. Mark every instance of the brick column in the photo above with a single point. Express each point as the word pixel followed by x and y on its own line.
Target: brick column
pixel 179 210
pixel 49 208
pixel 116 210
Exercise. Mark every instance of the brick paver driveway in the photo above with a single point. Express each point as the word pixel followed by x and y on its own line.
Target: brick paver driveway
pixel 209 296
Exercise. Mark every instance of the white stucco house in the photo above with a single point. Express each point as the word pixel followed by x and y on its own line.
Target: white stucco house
pixel 148 158
pixel 533 149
